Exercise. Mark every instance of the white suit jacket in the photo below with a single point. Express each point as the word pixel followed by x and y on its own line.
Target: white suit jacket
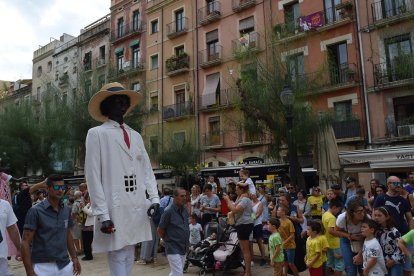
pixel 117 178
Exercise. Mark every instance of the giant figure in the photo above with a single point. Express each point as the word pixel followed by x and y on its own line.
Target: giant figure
pixel 118 172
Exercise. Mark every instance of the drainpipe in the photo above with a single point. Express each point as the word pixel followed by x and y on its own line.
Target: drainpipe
pixel 162 80
pixel 364 83
pixel 195 78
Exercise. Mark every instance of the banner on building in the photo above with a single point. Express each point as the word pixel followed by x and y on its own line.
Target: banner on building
pixel 311 21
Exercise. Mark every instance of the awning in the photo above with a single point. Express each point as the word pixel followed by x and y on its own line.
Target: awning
pixel 134 43
pixel 119 50
pixel 209 93
pixel 378 159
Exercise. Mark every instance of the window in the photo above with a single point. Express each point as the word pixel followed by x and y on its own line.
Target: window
pixel 331 13
pixel 212 90
pixel 292 14
pixel 154 103
pixel 120 27
pixel 154 26
pixel 136 24
pixel 212 7
pixel 179 50
pixel 49 66
pixel 246 25
pixel 179 138
pixel 394 7
pixel 154 144
pixel 213 48
pixel 39 71
pixel 154 62
pixel 404 110
pixel 338 63
pixel 49 87
pixel 102 55
pixel 214 130
pixel 248 38
pixel 66 59
pixel 179 21
pixel 296 67
pixel 397 47
pixel 343 111
pixel 120 61
pixel 399 58
pixel 136 57
pixel 87 61
pixel 136 86
pixel 38 93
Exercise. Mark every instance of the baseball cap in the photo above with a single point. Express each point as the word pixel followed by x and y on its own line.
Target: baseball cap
pixel 335 187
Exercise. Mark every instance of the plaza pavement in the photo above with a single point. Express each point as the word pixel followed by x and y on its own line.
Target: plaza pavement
pixel 98 267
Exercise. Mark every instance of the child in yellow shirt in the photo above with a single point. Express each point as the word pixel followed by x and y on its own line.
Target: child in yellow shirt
pixel 314 249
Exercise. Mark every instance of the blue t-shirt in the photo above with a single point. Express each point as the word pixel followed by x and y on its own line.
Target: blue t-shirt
pixel 409 188
pixel 363 200
pixel 397 206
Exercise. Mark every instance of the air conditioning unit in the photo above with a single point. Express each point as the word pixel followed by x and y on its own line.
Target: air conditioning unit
pixel 407 130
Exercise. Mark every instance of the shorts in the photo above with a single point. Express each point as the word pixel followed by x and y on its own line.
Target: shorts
pixel 258 232
pixel 278 269
pixel 333 262
pixel 407 265
pixel 315 271
pixel 289 255
pixel 243 231
pixel 76 231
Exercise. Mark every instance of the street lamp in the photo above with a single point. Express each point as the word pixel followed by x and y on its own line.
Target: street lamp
pixel 288 98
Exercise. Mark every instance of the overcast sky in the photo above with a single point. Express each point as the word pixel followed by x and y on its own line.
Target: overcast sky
pixel 27 24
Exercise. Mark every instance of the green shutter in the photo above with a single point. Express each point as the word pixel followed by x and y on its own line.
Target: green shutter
pixel 134 43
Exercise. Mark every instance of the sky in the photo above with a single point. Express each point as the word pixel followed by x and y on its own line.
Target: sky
pixel 27 24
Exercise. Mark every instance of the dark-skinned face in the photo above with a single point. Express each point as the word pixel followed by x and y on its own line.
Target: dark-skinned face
pixel 118 105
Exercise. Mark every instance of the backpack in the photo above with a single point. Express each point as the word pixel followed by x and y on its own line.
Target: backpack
pixel 156 217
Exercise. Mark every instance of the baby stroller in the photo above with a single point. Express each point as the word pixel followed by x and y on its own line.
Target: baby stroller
pixel 201 255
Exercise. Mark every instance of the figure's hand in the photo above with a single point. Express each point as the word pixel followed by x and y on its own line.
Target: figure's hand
pixel 153 209
pixel 76 266
pixel 108 227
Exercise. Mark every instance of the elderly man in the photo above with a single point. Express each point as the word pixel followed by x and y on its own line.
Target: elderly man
pixel 118 172
pixel 399 209
pixel 175 232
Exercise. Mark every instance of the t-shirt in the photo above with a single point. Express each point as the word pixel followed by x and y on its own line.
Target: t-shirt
pixel 318 200
pixel 313 246
pixel 7 218
pixel 252 188
pixel 348 226
pixel 195 233
pixel 263 200
pixel 329 221
pixel 286 229
pixel 409 188
pixel 372 249
pixel 409 237
pixel 324 245
pixel 274 240
pixel 212 202
pixel 388 239
pixel 363 200
pixel 397 206
pixel 246 216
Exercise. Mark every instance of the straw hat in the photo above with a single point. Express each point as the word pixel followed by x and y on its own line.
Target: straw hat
pixel 110 89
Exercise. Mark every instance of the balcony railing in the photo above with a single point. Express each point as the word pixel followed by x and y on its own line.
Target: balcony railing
pixel 213 139
pixel 399 70
pixel 177 110
pixel 177 28
pixel 239 5
pixel 384 11
pixel 128 67
pixel 210 57
pixel 100 62
pixel 126 30
pixel 343 74
pixel 347 129
pixel 209 13
pixel 177 64
pixel 227 97
pixel 246 43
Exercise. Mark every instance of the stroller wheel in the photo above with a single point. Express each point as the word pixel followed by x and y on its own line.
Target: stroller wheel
pixel 202 272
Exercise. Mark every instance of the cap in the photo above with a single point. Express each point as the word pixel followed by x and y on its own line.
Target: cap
pixel 350 179
pixel 335 187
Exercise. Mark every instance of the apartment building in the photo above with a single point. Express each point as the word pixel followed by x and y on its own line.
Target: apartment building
pixel 170 76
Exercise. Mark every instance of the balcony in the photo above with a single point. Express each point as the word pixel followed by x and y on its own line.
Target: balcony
pixel 347 129
pixel 209 13
pixel 177 64
pixel 318 21
pixel 212 140
pixel 128 68
pixel 239 5
pixel 210 57
pixel 248 43
pixel 127 30
pixel 100 62
pixel 399 71
pixel 385 13
pixel 250 139
pixel 177 28
pixel 227 98
pixel 177 111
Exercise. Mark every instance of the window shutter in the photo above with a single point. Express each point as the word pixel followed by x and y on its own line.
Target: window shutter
pixel 212 36
pixel 246 23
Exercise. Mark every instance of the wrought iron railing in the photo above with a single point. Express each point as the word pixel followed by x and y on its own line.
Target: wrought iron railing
pixel 389 9
pixel 250 41
pixel 213 139
pixel 127 29
pixel 210 56
pixel 239 5
pixel 177 110
pixel 177 27
pixel 399 69
pixel 209 13
pixel 227 97
pixel 347 129
pixel 175 63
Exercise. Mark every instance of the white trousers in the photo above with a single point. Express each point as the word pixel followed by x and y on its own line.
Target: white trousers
pixel 51 269
pixel 121 261
pixel 176 264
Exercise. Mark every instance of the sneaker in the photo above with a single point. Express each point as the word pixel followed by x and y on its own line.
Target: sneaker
pixel 141 262
pixel 262 262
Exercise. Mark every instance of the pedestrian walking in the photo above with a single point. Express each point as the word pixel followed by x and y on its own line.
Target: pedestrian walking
pixel 276 247
pixel 87 230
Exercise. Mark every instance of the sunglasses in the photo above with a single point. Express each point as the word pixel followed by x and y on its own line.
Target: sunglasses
pixel 59 187
pixel 397 183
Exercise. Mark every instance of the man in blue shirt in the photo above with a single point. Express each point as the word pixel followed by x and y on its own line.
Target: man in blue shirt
pixel 175 232
pixel 47 238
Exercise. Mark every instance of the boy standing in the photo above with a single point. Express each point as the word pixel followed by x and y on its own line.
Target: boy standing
pixel 287 232
pixel 373 259
pixel 334 255
pixel 314 254
pixel 276 247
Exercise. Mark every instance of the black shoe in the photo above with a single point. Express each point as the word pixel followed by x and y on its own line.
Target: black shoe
pixel 87 258
pixel 262 262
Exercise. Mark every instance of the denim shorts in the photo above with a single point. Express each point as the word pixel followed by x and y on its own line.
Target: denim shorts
pixel 289 255
pixel 333 262
pixel 407 265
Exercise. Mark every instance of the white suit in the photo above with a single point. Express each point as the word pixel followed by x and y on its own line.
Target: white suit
pixel 117 178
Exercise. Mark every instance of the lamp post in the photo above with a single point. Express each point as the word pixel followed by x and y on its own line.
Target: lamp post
pixel 288 98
